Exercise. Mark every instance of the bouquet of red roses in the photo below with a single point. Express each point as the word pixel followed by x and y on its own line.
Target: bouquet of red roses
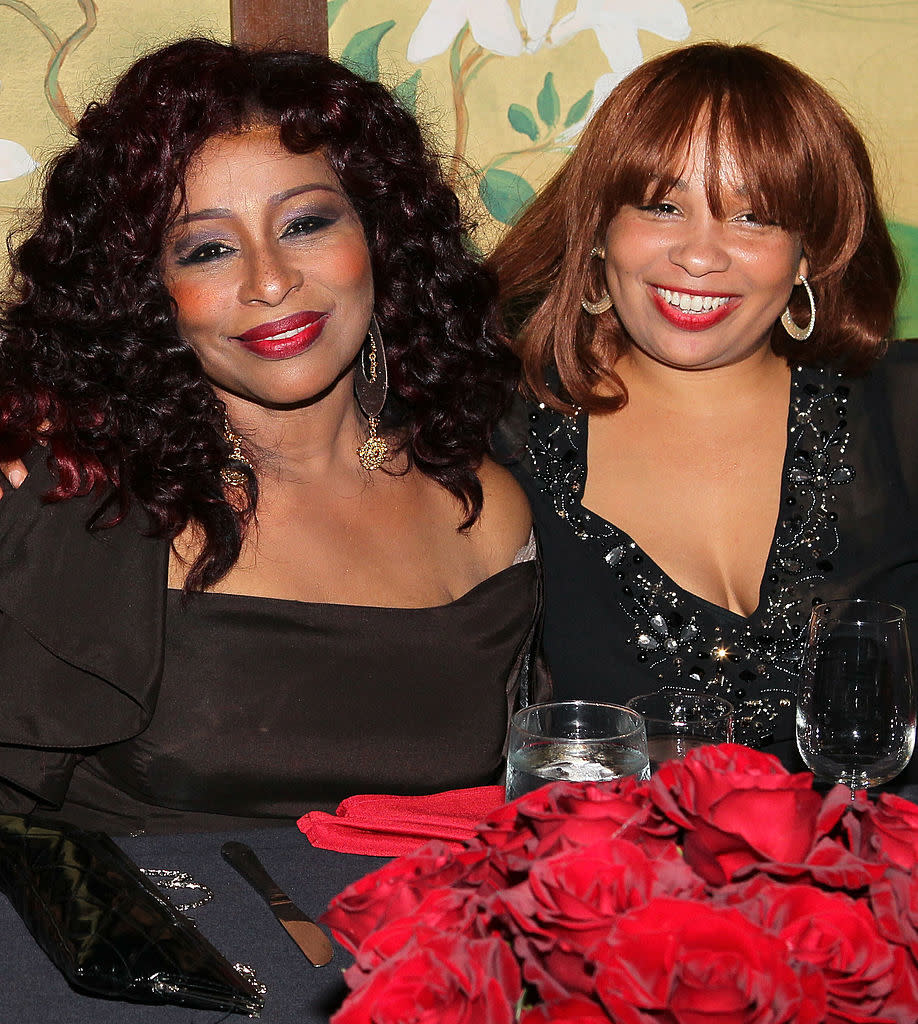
pixel 723 891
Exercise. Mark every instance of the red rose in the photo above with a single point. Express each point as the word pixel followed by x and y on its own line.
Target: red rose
pixel 458 911
pixel 575 895
pixel 890 831
pixel 902 1005
pixel 838 936
pixel 686 962
pixel 399 887
pixel 576 1010
pixel 832 865
pixel 387 943
pixel 570 900
pixel 447 980
pixel 506 830
pixel 739 808
pixel 569 814
pixel 685 790
pixel 829 864
pixel 894 899
pixel 752 827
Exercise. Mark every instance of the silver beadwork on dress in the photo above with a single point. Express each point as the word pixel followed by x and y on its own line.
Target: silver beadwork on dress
pixel 752 662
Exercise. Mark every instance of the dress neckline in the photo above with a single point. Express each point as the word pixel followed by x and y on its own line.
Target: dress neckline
pixel 689 640
pixel 600 523
pixel 218 597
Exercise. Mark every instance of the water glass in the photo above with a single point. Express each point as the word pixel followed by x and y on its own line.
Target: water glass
pixel 575 740
pixel 677 722
pixel 856 702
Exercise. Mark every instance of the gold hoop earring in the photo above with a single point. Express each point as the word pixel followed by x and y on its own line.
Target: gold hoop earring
pixel 604 302
pixel 787 321
pixel 371 385
pixel 234 477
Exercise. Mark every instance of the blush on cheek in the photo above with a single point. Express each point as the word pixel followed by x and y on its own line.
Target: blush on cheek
pixel 351 267
pixel 194 306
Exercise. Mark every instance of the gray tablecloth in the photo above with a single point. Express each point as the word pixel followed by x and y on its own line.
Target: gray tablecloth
pixel 236 921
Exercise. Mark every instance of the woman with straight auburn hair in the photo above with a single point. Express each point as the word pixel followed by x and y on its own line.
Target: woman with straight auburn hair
pixel 717 436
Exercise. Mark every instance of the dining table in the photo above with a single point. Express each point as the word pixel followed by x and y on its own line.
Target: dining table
pixel 235 920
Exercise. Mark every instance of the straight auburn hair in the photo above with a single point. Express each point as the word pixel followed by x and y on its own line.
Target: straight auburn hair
pixel 767 128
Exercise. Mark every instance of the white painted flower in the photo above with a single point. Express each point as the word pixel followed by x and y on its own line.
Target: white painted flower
pixel 616 24
pixel 490 21
pixel 537 17
pixel 15 161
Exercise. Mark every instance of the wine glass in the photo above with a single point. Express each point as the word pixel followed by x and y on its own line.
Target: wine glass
pixel 856 703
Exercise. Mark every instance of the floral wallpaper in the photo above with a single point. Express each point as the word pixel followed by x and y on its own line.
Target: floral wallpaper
pixel 505 86
pixel 56 55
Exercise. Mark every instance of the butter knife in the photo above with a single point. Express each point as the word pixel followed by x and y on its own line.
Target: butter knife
pixel 313 942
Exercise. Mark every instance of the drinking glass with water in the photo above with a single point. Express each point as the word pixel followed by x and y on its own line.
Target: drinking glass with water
pixel 575 741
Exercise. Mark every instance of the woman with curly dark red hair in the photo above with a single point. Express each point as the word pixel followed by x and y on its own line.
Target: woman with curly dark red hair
pixel 262 559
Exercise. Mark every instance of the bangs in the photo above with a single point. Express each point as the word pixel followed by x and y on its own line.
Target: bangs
pixel 656 130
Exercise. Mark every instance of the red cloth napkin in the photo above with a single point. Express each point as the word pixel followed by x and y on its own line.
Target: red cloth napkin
pixel 387 826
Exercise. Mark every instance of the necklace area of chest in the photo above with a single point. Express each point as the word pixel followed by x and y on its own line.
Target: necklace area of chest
pixel 683 640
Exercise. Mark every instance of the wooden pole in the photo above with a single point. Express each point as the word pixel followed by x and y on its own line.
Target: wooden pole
pixel 281 24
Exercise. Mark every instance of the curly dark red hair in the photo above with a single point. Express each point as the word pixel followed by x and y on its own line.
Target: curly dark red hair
pixel 90 358
pixel 806 169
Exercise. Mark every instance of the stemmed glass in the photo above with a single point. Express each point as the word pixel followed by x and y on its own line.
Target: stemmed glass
pixel 856 703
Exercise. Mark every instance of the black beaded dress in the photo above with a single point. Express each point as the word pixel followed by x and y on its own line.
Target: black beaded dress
pixel 616 625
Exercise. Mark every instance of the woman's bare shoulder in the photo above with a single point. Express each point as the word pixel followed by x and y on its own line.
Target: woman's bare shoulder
pixel 506 520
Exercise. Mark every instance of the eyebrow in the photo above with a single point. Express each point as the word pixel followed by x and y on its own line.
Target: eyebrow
pixel 655 180
pixel 681 185
pixel 221 213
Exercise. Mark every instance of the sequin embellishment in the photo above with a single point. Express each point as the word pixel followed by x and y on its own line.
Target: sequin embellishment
pixel 753 662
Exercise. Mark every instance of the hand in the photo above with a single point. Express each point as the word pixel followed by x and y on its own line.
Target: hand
pixel 14 471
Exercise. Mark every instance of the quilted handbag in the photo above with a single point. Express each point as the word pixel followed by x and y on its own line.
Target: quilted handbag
pixel 106 926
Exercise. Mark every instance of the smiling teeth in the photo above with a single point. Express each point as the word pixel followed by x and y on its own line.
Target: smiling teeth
pixel 286 334
pixel 692 303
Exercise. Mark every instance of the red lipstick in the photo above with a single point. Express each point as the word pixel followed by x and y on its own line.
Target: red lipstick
pixel 285 338
pixel 692 321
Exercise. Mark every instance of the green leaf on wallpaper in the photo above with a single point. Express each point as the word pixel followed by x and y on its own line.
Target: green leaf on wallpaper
pixel 521 119
pixel 362 53
pixel 547 103
pixel 579 109
pixel 334 6
pixel 504 194
pixel 407 92
pixel 906 238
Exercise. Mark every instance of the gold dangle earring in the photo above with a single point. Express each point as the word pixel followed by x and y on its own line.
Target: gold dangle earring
pixel 604 302
pixel 230 476
pixel 371 385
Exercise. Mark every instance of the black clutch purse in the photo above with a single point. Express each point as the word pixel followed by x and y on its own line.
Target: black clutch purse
pixel 106 926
